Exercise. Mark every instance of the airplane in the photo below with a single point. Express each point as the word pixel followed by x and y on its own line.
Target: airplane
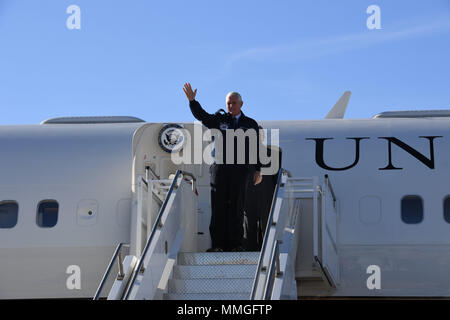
pixel 96 207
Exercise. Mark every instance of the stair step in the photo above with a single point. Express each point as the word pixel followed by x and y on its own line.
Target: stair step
pixel 218 258
pixel 206 296
pixel 210 285
pixel 214 271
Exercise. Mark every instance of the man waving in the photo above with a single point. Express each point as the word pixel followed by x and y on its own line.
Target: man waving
pixel 229 180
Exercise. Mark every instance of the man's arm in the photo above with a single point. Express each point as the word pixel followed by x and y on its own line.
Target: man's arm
pixel 197 111
pixel 257 177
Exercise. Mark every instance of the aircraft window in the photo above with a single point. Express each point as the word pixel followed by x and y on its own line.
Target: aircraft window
pixel 47 214
pixel 412 209
pixel 447 209
pixel 8 214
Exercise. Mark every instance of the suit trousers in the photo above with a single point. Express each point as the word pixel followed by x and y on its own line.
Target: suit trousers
pixel 229 184
pixel 257 209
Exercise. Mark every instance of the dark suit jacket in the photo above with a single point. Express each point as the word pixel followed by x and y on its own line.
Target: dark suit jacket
pixel 225 121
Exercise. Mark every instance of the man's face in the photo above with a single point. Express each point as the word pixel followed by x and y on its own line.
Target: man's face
pixel 234 105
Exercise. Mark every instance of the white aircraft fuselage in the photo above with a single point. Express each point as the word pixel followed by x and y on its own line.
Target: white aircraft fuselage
pixel 90 170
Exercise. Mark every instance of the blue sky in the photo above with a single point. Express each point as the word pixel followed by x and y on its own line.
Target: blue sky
pixel 289 59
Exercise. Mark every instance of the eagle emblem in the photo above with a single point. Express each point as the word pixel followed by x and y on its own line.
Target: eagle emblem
pixel 171 138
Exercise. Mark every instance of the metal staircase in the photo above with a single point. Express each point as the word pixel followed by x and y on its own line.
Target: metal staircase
pixel 302 226
pixel 213 276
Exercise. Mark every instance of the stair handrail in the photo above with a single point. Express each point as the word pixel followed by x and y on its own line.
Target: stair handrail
pixel 273 271
pixel 330 187
pixel 156 226
pixel 274 264
pixel 266 235
pixel 109 268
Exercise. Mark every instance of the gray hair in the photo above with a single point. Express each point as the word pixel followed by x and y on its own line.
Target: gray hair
pixel 234 93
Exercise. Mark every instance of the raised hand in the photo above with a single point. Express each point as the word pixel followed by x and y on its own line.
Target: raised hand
pixel 190 94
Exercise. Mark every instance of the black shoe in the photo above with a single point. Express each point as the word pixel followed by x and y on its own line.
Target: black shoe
pixel 238 249
pixel 215 250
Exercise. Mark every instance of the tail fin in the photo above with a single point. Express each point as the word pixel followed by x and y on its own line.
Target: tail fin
pixel 338 111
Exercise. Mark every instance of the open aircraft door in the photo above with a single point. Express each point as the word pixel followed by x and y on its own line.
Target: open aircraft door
pixel 325 219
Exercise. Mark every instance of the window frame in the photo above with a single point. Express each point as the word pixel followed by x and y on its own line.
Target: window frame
pixel 447 197
pixel 17 213
pixel 412 196
pixel 38 212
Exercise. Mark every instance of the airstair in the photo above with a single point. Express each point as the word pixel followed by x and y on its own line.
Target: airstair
pixel 163 262
pixel 213 276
